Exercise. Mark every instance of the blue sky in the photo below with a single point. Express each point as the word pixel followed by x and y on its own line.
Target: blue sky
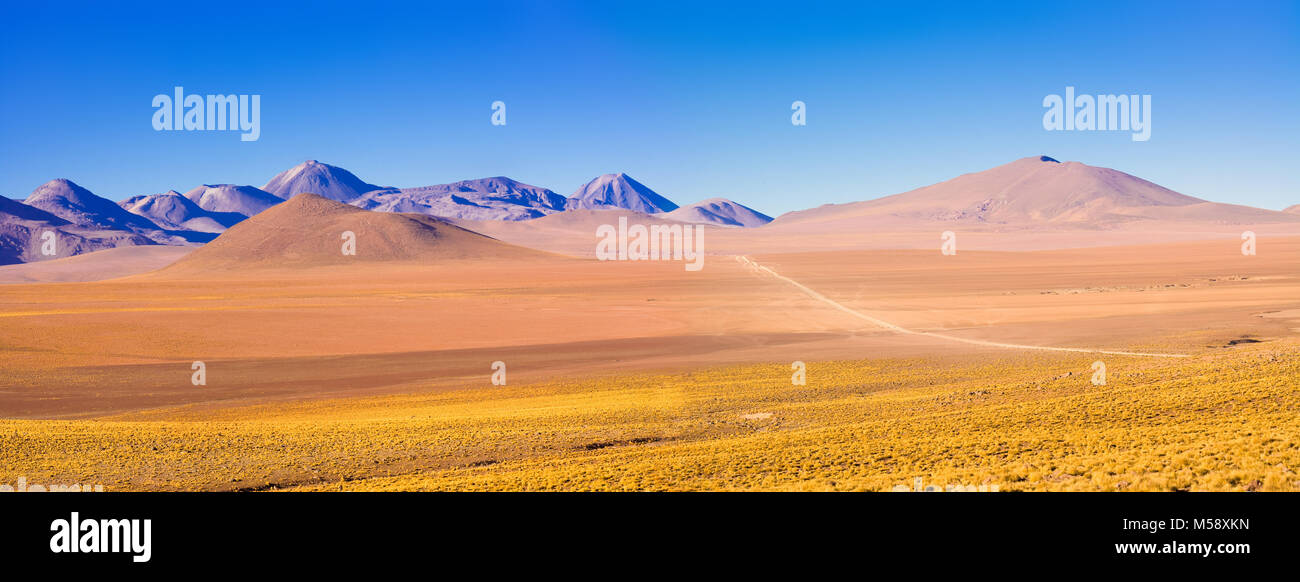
pixel 692 100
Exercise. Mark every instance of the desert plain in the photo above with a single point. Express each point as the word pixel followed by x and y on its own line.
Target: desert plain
pixel 375 372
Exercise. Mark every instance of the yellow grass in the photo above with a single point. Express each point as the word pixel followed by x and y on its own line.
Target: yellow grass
pixel 1223 421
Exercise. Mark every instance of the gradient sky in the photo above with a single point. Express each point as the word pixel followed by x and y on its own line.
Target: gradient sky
pixel 691 100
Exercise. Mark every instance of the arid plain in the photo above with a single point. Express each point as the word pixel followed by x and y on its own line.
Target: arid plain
pixel 374 371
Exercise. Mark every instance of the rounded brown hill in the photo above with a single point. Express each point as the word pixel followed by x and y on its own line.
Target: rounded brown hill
pixel 308 231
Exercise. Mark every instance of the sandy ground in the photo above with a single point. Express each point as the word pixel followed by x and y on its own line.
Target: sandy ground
pixel 575 234
pixel 96 266
pixel 92 349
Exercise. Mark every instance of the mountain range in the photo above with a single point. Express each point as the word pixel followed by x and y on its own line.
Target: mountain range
pixel 23 239
pixel 1031 192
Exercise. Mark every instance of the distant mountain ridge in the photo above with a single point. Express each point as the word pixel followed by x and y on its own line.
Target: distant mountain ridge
pixel 496 198
pixel 1036 190
pixel 23 236
pixel 1032 192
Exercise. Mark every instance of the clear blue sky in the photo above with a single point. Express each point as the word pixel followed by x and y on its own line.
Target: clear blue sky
pixel 693 100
